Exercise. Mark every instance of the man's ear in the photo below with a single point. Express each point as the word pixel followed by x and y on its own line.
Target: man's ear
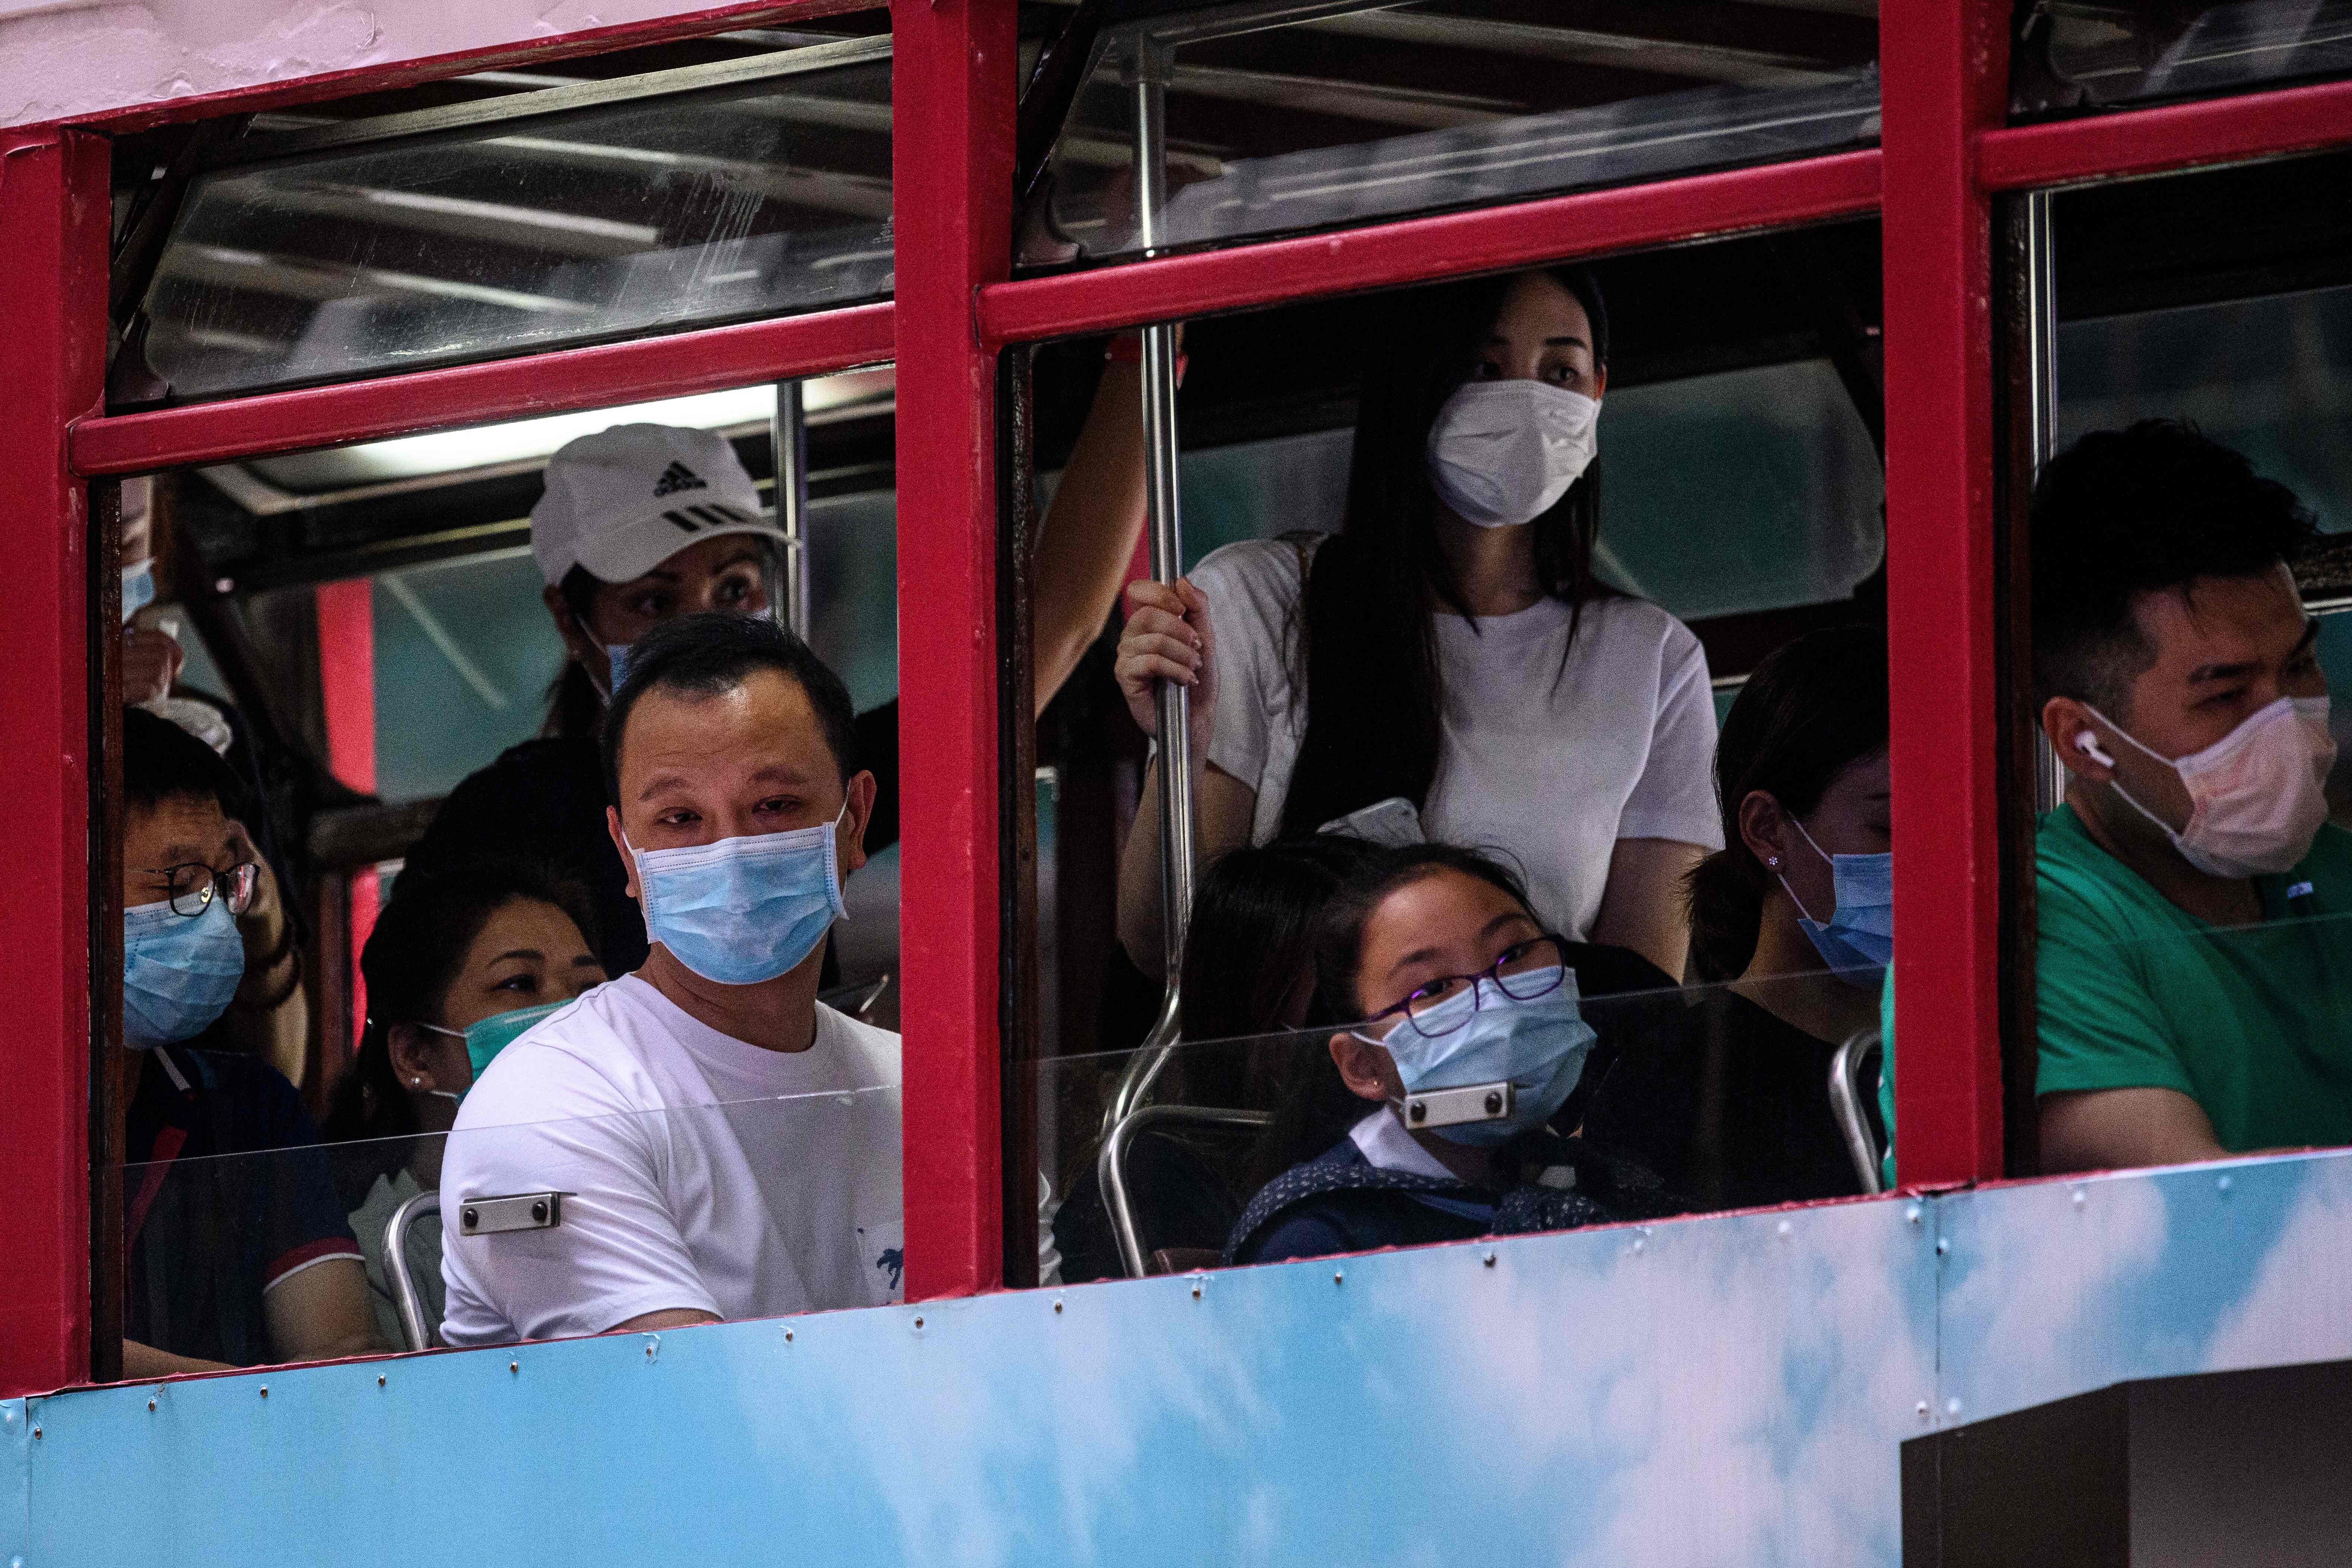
pixel 2077 739
pixel 621 848
pixel 850 836
pixel 1359 1063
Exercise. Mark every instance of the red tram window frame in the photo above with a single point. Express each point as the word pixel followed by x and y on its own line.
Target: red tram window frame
pixel 1945 153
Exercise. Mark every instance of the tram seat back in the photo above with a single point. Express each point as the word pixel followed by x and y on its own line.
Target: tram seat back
pixel 1854 1085
pixel 408 1298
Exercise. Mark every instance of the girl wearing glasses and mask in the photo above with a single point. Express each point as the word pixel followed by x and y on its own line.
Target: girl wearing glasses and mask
pixel 461 962
pixel 1451 644
pixel 1470 1046
pixel 1795 919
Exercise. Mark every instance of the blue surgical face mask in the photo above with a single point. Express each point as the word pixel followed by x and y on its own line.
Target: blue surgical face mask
pixel 487 1038
pixel 1539 1044
pixel 138 588
pixel 179 972
pixel 1857 941
pixel 742 910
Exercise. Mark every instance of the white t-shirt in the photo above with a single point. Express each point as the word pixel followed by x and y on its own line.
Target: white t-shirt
pixel 1552 766
pixel 703 1171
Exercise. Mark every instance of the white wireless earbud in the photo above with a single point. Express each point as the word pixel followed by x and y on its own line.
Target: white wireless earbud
pixel 2088 744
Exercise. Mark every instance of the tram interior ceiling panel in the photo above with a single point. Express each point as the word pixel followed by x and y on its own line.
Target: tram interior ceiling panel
pixel 1326 112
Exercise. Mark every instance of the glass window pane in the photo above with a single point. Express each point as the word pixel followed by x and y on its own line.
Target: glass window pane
pixel 1255 1149
pixel 1784 509
pixel 1355 112
pixel 2074 54
pixel 522 232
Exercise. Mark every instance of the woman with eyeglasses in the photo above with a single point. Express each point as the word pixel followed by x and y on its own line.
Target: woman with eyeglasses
pixel 1470 1044
pixel 462 961
pixel 235 1252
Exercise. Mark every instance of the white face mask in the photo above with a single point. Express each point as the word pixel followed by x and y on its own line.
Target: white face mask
pixel 2257 794
pixel 1502 453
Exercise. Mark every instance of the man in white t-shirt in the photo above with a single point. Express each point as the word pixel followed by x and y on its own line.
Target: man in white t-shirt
pixel 726 1145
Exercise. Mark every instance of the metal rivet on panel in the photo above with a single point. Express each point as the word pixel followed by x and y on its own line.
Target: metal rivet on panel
pixel 514 1366
pixel 2080 1196
pixel 2221 1185
pixel 265 1391
pixel 37 1431
pixel 1912 1213
pixel 1196 1289
pixel 1337 1278
pixel 1490 1260
pixel 788 1336
pixel 1787 1229
pixel 379 1379
pixel 918 1322
pixel 1923 1410
pixel 1952 1406
pixel 1943 1245
pixel 1057 1306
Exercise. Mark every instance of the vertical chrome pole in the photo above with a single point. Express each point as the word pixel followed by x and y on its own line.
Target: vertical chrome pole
pixel 1163 508
pixel 788 442
pixel 2042 390
pixel 1164 514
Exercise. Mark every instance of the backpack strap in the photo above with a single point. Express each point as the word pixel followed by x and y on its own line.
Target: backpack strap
pixel 1303 1184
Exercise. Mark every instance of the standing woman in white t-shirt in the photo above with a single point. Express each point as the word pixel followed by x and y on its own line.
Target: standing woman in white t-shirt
pixel 1450 643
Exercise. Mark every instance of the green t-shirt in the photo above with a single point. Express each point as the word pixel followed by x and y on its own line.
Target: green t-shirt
pixel 2255 1023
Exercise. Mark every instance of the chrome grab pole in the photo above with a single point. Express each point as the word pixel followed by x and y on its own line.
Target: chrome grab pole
pixel 1166 536
pixel 788 443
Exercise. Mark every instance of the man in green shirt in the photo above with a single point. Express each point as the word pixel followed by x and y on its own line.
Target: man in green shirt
pixel 2195 905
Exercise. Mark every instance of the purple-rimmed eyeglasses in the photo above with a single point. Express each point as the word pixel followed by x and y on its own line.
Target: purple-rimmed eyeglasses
pixel 1523 972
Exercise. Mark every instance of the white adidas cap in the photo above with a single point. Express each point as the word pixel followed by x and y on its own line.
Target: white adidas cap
pixel 623 500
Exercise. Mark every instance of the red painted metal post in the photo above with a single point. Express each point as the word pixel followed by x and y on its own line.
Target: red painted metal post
pixel 1944 69
pixel 53 235
pixel 952 155
pixel 346 613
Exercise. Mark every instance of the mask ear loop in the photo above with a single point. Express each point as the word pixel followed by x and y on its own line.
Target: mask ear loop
pixel 2088 744
pixel 1783 878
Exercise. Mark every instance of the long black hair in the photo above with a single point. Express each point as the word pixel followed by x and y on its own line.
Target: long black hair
pixel 1318 1107
pixel 1250 950
pixel 1813 709
pixel 1366 647
pixel 411 959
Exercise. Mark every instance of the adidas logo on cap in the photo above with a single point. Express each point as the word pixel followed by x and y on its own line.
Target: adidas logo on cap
pixel 679 477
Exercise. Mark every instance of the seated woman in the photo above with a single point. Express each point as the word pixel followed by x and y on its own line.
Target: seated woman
pixel 1249 970
pixel 1797 916
pixel 1459 986
pixel 461 962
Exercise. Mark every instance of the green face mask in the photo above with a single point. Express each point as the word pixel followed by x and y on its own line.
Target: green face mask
pixel 494 1034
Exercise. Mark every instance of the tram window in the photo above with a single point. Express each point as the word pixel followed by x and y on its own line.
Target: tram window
pixel 2076 55
pixel 2190 954
pixel 1739 510
pixel 560 213
pixel 1356 112
pixel 365 607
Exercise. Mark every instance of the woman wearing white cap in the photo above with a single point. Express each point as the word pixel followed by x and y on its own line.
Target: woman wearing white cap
pixel 642 523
